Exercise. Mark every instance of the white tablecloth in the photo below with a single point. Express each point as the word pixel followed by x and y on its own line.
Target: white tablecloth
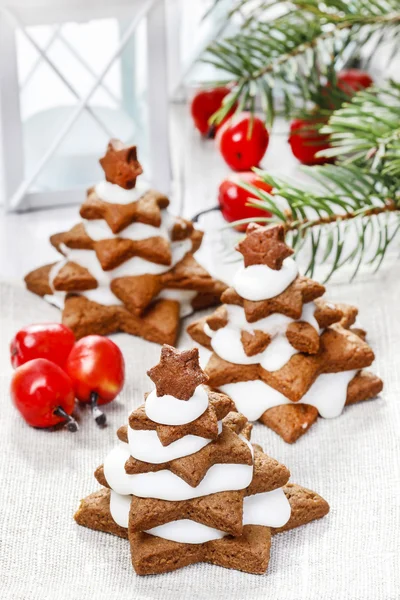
pixel 353 461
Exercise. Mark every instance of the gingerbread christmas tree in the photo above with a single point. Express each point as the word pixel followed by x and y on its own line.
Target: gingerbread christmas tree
pixel 128 266
pixel 185 485
pixel 280 351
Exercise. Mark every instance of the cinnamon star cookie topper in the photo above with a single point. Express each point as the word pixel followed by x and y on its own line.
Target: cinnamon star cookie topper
pixel 178 373
pixel 120 164
pixel 264 246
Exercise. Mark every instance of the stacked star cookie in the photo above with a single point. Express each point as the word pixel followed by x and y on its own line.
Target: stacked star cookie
pixel 280 351
pixel 185 485
pixel 129 265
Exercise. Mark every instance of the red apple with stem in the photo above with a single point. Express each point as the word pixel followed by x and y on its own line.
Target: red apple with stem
pixel 43 394
pixel 52 341
pixel 97 370
pixel 234 199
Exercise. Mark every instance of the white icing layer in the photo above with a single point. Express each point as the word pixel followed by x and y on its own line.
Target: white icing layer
pixel 253 398
pixel 260 282
pixel 226 342
pixel 184 297
pixel 186 531
pixel 168 410
pixel 119 508
pixel 146 446
pixel 271 509
pixel 328 394
pixel 133 266
pixel 115 194
pixel 167 486
pixel 98 229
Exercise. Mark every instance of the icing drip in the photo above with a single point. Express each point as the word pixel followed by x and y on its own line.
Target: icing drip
pixel 184 297
pixel 167 486
pixel 119 508
pixel 226 342
pixel 271 509
pixel 260 282
pixel 328 394
pixel 253 398
pixel 168 410
pixel 146 446
pixel 114 194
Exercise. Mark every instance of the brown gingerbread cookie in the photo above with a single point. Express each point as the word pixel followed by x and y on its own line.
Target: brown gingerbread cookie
pixel 264 246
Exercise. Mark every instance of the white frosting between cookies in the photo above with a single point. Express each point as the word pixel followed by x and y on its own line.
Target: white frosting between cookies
pixel 260 282
pixel 168 410
pixel 98 229
pixel 184 297
pixel 328 394
pixel 167 486
pixel 146 446
pixel 270 509
pixel 226 342
pixel 115 194
pixel 103 294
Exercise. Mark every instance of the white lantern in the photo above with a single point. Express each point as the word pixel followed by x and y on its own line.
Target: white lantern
pixel 107 64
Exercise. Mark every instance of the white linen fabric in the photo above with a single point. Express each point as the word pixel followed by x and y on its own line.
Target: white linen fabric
pixel 353 461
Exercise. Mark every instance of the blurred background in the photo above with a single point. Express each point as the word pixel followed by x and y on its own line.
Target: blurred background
pixel 74 74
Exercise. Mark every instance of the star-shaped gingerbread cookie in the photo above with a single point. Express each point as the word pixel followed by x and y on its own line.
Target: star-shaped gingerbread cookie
pixel 178 373
pixel 264 246
pixel 120 164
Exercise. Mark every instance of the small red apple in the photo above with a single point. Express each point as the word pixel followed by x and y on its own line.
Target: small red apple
pixel 204 104
pixel 52 341
pixel 353 80
pixel 43 394
pixel 234 200
pixel 305 141
pixel 97 370
pixel 242 141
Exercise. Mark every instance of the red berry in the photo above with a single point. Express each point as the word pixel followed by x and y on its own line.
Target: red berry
pixel 96 366
pixel 38 389
pixel 353 80
pixel 233 199
pixel 53 341
pixel 242 141
pixel 305 141
pixel 204 104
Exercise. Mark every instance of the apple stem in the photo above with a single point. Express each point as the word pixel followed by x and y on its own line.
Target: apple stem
pixel 71 424
pixel 98 415
pixel 204 212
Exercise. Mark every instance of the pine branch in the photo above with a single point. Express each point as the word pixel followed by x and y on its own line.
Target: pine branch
pixel 366 131
pixel 348 199
pixel 301 46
